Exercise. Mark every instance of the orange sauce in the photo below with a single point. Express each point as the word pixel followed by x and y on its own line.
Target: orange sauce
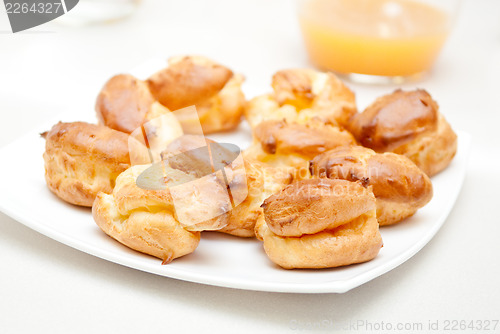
pixel 377 37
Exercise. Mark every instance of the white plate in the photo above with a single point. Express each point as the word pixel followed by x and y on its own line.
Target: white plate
pixel 220 259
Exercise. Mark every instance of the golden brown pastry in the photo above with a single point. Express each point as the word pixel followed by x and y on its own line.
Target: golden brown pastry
pixel 320 223
pixel 248 182
pixel 211 87
pixel 400 187
pixel 282 143
pixel 145 220
pixel 407 123
pixel 125 103
pixel 197 155
pixel 147 142
pixel 213 180
pixel 303 94
pixel 261 181
pixel 83 159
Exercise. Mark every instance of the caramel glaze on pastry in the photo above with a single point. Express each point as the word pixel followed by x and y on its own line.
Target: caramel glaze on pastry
pixel 320 223
pixel 399 186
pixel 83 159
pixel 303 94
pixel 407 123
pixel 282 143
pixel 125 103
pixel 211 87
pixel 188 80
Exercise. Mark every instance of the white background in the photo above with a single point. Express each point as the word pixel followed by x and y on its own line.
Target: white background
pixel 51 288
